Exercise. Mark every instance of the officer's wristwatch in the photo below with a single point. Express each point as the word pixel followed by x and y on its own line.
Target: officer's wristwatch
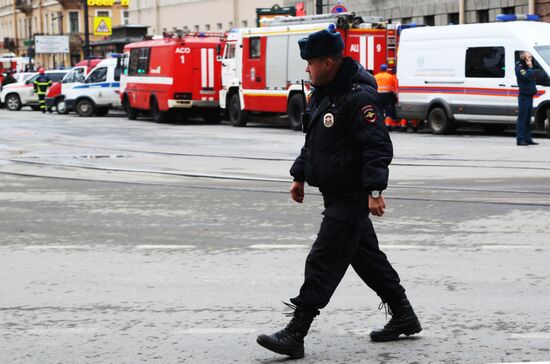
pixel 376 194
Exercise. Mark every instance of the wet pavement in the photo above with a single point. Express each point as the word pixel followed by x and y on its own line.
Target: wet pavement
pixel 126 242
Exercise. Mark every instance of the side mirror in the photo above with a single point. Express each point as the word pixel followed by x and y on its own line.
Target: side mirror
pixel 218 49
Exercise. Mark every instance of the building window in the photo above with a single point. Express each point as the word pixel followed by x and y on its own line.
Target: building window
pixel 255 47
pixel 73 22
pixel 453 18
pixel 196 28
pixel 406 20
pixel 52 22
pixel 509 10
pixel 103 13
pixel 245 23
pixel 219 26
pixel 485 62
pixel 207 27
pixel 125 17
pixel 483 16
pixel 429 20
pixel 230 25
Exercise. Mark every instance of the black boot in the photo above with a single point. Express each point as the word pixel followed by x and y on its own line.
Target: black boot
pixel 403 321
pixel 290 340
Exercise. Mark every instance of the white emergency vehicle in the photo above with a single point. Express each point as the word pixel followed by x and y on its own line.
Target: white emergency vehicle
pixel 100 90
pixel 17 95
pixel 457 74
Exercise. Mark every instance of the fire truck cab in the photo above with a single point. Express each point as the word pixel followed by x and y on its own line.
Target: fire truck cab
pixel 262 71
pixel 174 75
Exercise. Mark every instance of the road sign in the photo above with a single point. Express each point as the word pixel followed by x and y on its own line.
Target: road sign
pixel 51 43
pixel 102 25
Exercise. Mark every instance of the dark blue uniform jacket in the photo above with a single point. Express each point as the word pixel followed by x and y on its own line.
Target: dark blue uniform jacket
pixel 526 79
pixel 347 145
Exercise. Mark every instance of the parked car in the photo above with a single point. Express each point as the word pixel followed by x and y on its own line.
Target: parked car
pixel 17 95
pixel 56 94
pixel 100 90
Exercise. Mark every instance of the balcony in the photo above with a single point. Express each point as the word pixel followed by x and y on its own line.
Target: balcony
pixel 71 4
pixel 24 6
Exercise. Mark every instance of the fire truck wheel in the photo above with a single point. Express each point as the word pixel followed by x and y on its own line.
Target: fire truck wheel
pixel 237 116
pixel 13 102
pixel 130 111
pixel 439 121
pixel 158 115
pixel 295 110
pixel 211 116
pixel 61 107
pixel 85 108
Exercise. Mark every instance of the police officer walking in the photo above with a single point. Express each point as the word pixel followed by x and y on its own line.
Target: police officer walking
pixel 346 155
pixel 527 89
pixel 41 85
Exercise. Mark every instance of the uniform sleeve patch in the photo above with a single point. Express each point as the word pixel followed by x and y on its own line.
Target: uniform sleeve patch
pixel 522 71
pixel 369 115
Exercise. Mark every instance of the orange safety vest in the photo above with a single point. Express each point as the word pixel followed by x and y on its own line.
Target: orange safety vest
pixel 386 82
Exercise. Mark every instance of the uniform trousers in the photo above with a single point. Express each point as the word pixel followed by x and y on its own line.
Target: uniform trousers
pixel 346 237
pixel 523 125
pixel 42 102
pixel 388 100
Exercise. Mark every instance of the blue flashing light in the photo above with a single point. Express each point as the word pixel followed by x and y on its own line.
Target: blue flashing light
pixel 331 28
pixel 514 17
pixel 202 35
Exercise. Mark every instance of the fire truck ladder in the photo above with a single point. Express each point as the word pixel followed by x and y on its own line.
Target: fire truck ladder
pixel 391 46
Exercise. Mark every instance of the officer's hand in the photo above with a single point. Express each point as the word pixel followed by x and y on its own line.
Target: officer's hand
pixel 377 205
pixel 297 191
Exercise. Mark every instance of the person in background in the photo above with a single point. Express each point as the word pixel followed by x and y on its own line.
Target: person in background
pixel 41 85
pixel 527 89
pixel 387 88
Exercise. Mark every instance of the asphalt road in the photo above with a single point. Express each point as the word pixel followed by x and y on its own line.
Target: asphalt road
pixel 129 241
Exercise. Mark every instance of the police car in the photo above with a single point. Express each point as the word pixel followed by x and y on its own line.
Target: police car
pixel 17 95
pixel 100 91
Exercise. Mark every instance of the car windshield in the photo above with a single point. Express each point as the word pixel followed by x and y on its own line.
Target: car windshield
pixel 544 52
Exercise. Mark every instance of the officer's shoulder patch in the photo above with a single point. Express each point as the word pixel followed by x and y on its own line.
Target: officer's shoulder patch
pixel 522 71
pixel 369 115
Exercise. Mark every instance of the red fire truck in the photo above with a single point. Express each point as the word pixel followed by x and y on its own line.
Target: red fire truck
pixel 262 69
pixel 179 74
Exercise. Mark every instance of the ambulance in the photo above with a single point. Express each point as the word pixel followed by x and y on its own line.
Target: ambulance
pixel 262 71
pixel 56 93
pixel 174 75
pixel 100 90
pixel 465 74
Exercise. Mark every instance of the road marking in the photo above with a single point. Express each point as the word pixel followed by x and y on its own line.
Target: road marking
pixel 277 246
pixel 506 247
pixel 163 246
pixel 61 330
pixel 526 362
pixel 531 335
pixel 55 247
pixel 214 330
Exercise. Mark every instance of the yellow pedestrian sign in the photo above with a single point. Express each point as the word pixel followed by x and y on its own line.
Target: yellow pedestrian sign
pixel 102 25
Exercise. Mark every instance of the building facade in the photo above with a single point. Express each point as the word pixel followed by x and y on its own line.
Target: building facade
pixel 195 15
pixel 22 20
pixel 435 12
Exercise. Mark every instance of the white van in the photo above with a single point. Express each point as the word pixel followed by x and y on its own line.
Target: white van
pixel 456 74
pixel 100 91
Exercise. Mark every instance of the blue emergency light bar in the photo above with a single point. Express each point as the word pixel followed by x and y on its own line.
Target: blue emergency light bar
pixel 514 17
